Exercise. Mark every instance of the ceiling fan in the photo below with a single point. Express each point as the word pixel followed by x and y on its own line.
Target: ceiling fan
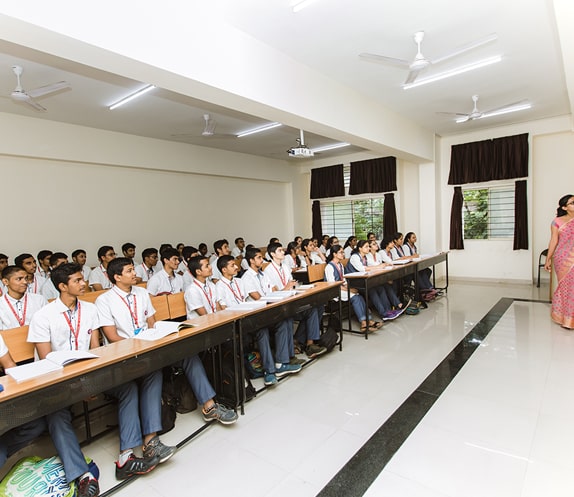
pixel 476 114
pixel 27 97
pixel 420 62
pixel 209 125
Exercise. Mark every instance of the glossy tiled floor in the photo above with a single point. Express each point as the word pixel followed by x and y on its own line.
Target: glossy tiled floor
pixel 501 427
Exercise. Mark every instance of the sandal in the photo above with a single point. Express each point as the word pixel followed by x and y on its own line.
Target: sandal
pixel 375 325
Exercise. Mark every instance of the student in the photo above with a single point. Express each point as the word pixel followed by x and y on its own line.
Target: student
pixel 323 246
pixel 397 250
pixel 43 267
pixel 410 249
pixel 3 264
pixel 309 330
pixel 293 259
pixel 334 271
pixel 317 255
pixel 179 248
pixel 17 305
pixel 79 257
pixel 239 249
pixel 125 311
pixel 99 279
pixel 221 247
pixel 202 247
pixel 187 253
pixel 201 295
pixel 371 237
pixel 349 246
pixel 374 259
pixel 28 264
pixel 273 239
pixel 330 242
pixel 148 267
pixel 230 291
pixel 311 253
pixel 166 280
pixel 48 289
pixel 129 251
pixel 257 286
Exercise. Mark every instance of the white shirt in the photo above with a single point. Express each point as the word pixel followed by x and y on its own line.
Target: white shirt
pixel 236 252
pixel 256 282
pixel 374 260
pixel 330 276
pixel 290 262
pixel 25 308
pixel 244 264
pixel 144 272
pixel 187 279
pixel 315 258
pixel 200 295
pixel 127 312
pixel 3 348
pixel 348 250
pixel 2 288
pixel 215 270
pixel 49 290
pixel 385 257
pixel 230 292
pixel 279 275
pixel 86 272
pixel 37 284
pixel 55 323
pixel 408 250
pixel 100 276
pixel 161 282
pixel 357 262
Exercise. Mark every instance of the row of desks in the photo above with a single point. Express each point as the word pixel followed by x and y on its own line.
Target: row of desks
pixel 123 361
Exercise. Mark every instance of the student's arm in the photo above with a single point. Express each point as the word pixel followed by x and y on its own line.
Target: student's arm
pixel 43 349
pixel 111 333
pixel 95 339
pixel 6 361
pixel 96 287
pixel 151 321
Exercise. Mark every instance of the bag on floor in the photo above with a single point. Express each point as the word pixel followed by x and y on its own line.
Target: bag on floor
pixel 253 365
pixel 329 339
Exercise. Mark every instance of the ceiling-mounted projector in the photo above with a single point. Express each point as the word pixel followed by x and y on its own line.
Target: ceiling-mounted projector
pixel 301 151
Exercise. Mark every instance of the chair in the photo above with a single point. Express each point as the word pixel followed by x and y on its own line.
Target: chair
pixel 176 305
pixel 316 272
pixel 544 254
pixel 161 307
pixel 16 341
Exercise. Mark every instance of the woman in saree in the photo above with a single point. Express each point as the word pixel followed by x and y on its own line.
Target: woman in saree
pixel 561 256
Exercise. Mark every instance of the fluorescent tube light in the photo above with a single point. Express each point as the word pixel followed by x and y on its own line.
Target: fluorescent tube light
pixel 297 6
pixel 454 72
pixel 137 94
pixel 258 130
pixel 333 146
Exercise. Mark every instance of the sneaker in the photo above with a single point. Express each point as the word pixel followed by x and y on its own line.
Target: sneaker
pixel 314 350
pixel 135 466
pixel 220 413
pixel 270 379
pixel 400 310
pixel 88 487
pixel 156 448
pixel 390 315
pixel 295 361
pixel 286 369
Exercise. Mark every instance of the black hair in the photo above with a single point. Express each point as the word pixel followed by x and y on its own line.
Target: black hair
pixel 56 256
pixel 43 254
pixel 102 251
pixel 194 264
pixel 330 241
pixel 116 267
pixel 291 246
pixel 397 235
pixel 127 246
pixel 168 253
pixel 305 243
pixel 223 261
pixel 188 251
pixel 334 249
pixel 250 254
pixel 148 252
pixel 164 246
pixel 77 252
pixel 349 240
pixel 360 243
pixel 238 239
pixel 218 244
pixel 562 203
pixel 408 235
pixel 386 240
pixel 272 247
pixel 63 272
pixel 9 271
pixel 274 240
pixel 19 260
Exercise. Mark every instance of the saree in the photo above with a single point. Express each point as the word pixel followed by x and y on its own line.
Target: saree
pixel 563 262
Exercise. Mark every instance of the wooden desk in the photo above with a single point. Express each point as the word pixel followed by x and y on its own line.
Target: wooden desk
pixel 433 260
pixel 117 363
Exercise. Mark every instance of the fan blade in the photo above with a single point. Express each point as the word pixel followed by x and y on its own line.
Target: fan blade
pixel 505 108
pixel 35 105
pixel 46 90
pixel 453 113
pixel 412 75
pixel 384 59
pixel 463 119
pixel 466 48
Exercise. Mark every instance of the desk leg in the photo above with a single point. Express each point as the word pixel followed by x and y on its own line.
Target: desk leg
pixel 368 310
pixel 240 378
pixel 341 319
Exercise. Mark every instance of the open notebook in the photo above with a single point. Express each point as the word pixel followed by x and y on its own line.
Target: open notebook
pixel 54 361
pixel 162 329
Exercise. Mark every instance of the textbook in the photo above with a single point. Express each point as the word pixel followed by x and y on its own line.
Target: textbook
pixel 54 361
pixel 402 261
pixel 162 329
pixel 278 296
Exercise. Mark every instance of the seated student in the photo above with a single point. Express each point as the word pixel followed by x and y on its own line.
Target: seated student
pixel 330 242
pixel 148 267
pixel 48 289
pixel 79 257
pixel 187 253
pixel 239 249
pixel 377 295
pixel 166 280
pixel 298 240
pixel 179 248
pixel 28 264
pixel 43 267
pixel 397 249
pixel 316 254
pixel 334 271
pixel 17 305
pixel 273 239
pixel 311 253
pixel 99 279
pixel 371 237
pixel 221 247
pixel 410 249
pixel 230 290
pixel 309 330
pixel 293 258
pixel 257 286
pixel 3 264
pixel 244 262
pixel 323 246
pixel 202 247
pixel 349 246
pixel 125 311
pixel 129 251
pixel 374 258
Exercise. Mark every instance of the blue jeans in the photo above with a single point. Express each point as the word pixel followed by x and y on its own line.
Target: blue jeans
pixel 267 360
pixel 195 373
pixel 378 298
pixel 309 324
pixel 13 440
pixel 359 306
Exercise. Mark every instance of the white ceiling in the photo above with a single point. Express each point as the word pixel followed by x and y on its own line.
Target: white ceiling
pixel 328 36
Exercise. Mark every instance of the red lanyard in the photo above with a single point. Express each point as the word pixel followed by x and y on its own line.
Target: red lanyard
pixel 148 270
pixel 208 297
pixel 238 298
pixel 282 277
pixel 339 267
pixel 133 313
pixel 21 321
pixel 105 272
pixel 75 332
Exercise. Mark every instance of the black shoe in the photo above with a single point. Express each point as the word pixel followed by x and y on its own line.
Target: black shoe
pixel 135 466
pixel 88 487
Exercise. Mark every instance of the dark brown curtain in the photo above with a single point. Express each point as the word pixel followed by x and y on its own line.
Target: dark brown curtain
pixel 373 176
pixel 488 160
pixel 317 226
pixel 327 182
pixel 456 238
pixel 389 215
pixel 520 216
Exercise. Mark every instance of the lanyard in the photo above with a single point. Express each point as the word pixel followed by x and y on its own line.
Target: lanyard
pixel 105 272
pixel 282 277
pixel 208 297
pixel 339 267
pixel 22 320
pixel 238 298
pixel 76 332
pixel 260 277
pixel 148 270
pixel 133 313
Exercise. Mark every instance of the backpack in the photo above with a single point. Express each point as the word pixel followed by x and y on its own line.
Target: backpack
pixel 329 339
pixel 176 397
pixel 253 365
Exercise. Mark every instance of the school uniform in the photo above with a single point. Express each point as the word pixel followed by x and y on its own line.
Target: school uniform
pixel 162 282
pixel 15 313
pixel 236 252
pixel 100 276
pixel 348 251
pixel 335 272
pixel 216 274
pixel 187 279
pixel 49 291
pixel 144 272
pixel 315 258
pixel 3 288
pixel 200 295
pixel 424 274
pixel 86 270
pixel 377 295
pixel 37 283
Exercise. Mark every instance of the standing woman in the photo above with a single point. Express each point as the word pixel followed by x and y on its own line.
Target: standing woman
pixel 561 254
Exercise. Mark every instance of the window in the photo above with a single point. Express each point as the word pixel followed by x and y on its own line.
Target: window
pixel 353 217
pixel 488 213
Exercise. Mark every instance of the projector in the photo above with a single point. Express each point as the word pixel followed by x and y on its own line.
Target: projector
pixel 300 152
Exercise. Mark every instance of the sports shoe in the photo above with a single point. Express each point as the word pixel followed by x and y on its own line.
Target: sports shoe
pixel 270 379
pixel 156 448
pixel 220 413
pixel 295 361
pixel 390 315
pixel 88 487
pixel 313 350
pixel 286 369
pixel 135 466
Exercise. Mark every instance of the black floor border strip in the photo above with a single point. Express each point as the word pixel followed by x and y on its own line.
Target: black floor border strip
pixel 364 467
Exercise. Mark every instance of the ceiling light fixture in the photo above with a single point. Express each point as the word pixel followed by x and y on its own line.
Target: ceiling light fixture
pixel 333 146
pixel 258 130
pixel 137 94
pixel 300 5
pixel 507 110
pixel 454 72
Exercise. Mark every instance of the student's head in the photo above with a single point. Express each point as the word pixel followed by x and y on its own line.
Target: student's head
pixel 44 258
pixel 297 240
pixel 362 246
pixel 202 247
pixel 68 278
pixel 170 258
pixel 240 243
pixel 58 258
pixel 149 257
pixel 180 247
pixel 292 248
pixel 398 238
pixel 315 242
pixel 410 237
pixel 276 240
pixel 188 252
pixel 227 266
pixel 337 252
pixel 254 257
pixel 26 262
pixel 121 271
pixel 373 245
pixel 106 254
pixel 79 256
pixel 563 205
pixel 3 261
pixel 307 245
pixel 221 247
pixel 371 236
pixel 15 278
pixel 387 243
pixel 276 251
pixel 351 242
pixel 129 250
pixel 199 266
pixel 324 240
pixel 332 241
